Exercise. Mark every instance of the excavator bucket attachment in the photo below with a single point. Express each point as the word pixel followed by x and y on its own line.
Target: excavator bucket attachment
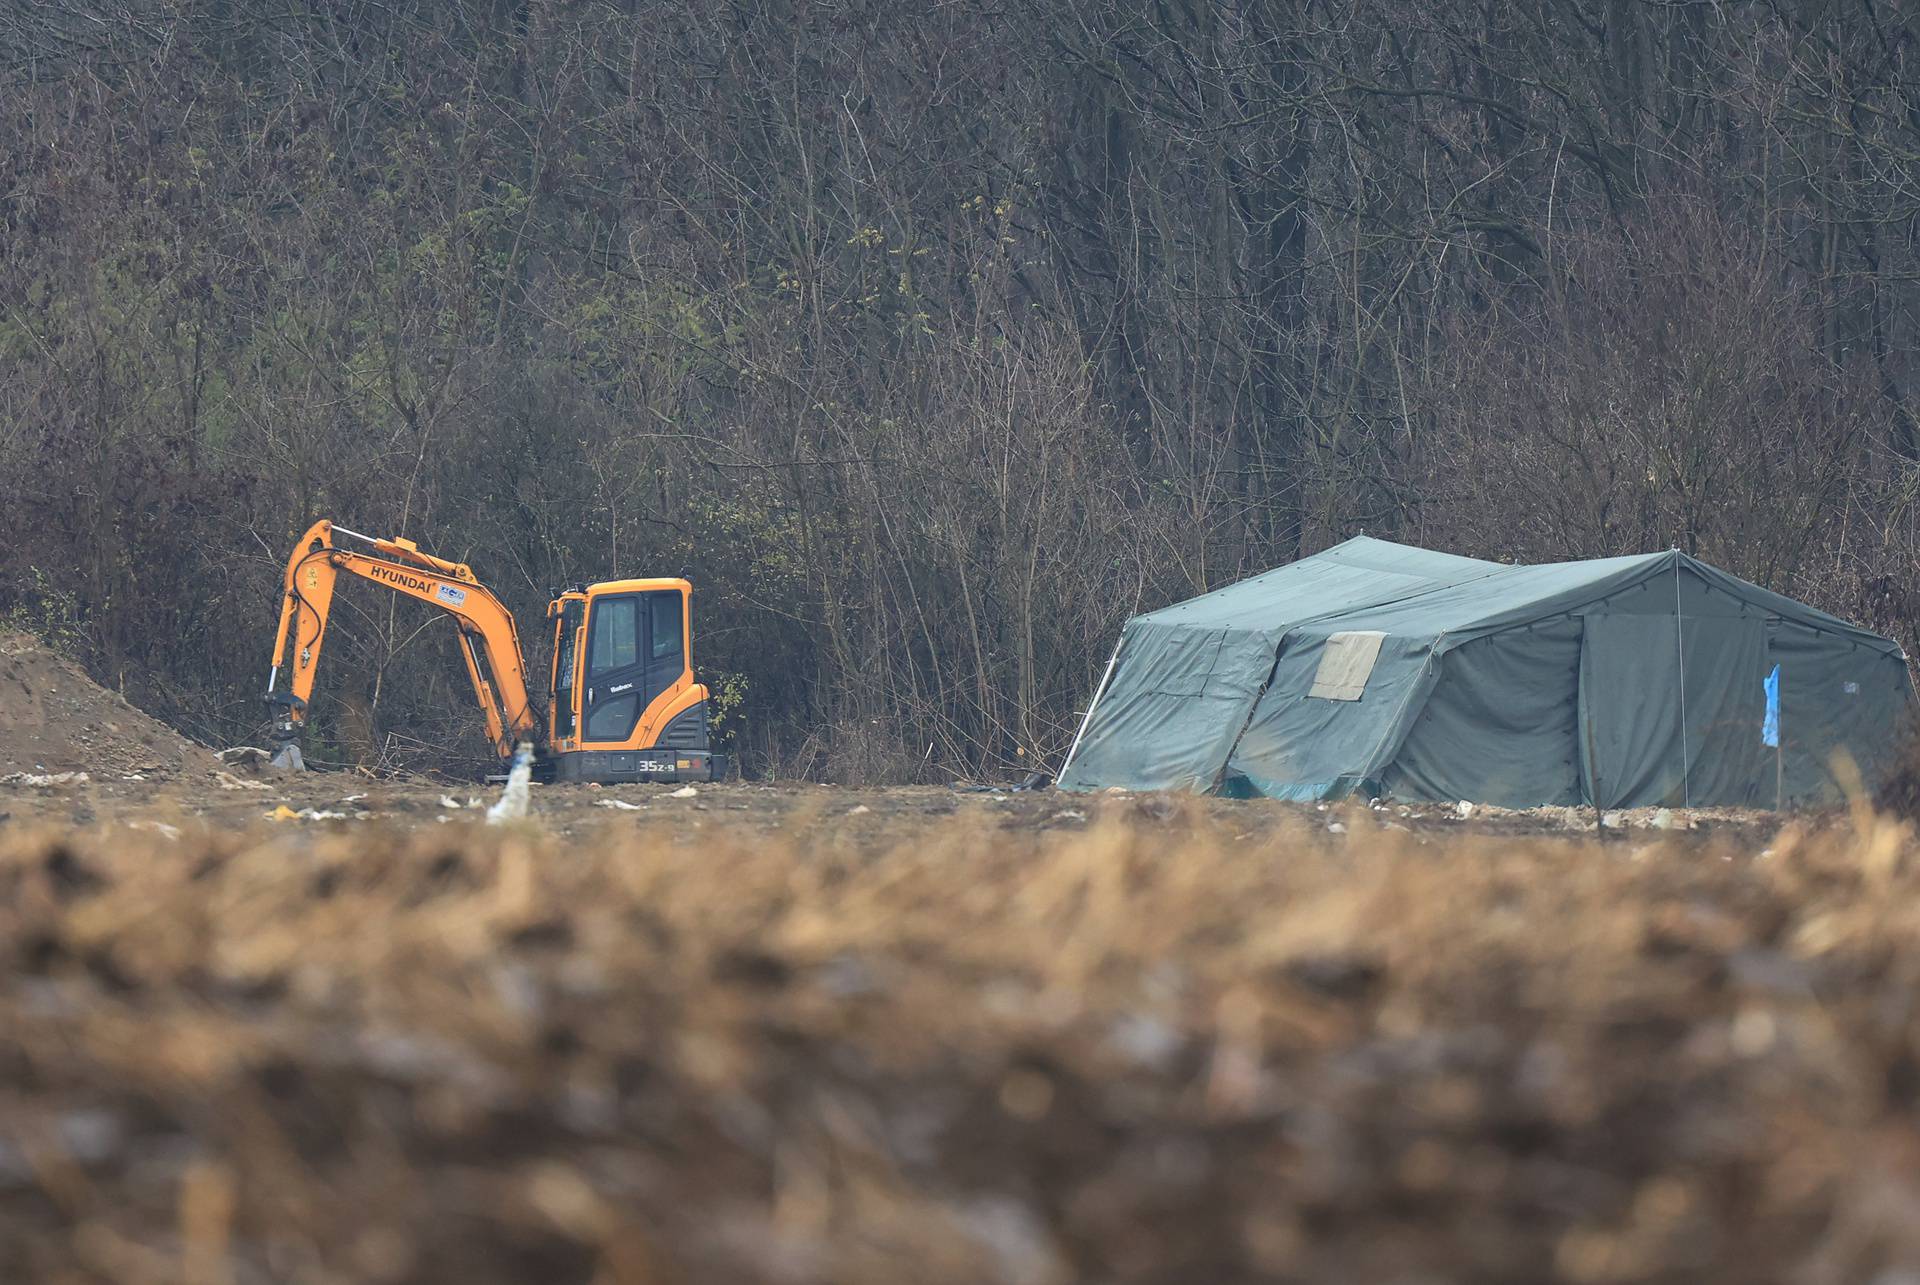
pixel 287 714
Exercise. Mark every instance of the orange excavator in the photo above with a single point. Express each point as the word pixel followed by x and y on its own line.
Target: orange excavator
pixel 622 701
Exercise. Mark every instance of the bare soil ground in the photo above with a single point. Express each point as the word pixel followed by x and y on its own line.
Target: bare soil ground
pixel 806 1035
pixel 54 719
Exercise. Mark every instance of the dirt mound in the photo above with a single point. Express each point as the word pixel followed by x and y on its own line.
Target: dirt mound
pixel 53 719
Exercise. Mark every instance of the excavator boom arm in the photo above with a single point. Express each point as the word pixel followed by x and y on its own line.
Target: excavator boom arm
pixel 489 643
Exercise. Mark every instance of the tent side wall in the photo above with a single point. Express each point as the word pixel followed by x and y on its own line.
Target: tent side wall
pixel 1670 710
pixel 1837 696
pixel 1843 690
pixel 1188 674
pixel 1500 725
pixel 1302 746
pixel 1653 696
pixel 1177 698
pixel 1518 623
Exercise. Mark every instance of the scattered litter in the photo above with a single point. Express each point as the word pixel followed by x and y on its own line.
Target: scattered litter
pixel 1116 789
pixel 353 798
pixel 513 799
pixel 228 781
pixel 684 792
pixel 1071 814
pixel 1464 809
pixel 858 810
pixel 133 776
pixel 448 801
pixel 1335 827
pixel 160 828
pixel 91 1137
pixel 285 813
pixel 1753 1033
pixel 44 778
pixel 1145 1040
pixel 620 804
pixel 1663 819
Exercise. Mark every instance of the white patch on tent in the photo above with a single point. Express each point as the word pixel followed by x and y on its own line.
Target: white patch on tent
pixel 1346 662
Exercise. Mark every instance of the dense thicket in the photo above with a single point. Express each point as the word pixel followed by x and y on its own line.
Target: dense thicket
pixel 930 340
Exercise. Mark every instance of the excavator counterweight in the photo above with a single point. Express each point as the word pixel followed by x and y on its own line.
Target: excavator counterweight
pixel 622 701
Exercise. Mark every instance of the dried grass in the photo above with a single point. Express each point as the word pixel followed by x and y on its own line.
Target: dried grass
pixel 1157 1048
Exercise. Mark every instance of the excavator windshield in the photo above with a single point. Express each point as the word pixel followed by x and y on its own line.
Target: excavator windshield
pixel 566 630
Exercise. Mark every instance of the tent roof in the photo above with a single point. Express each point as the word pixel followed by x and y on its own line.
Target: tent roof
pixel 1399 589
pixel 1507 596
pixel 1362 572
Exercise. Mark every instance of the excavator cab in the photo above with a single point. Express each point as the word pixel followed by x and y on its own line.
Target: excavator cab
pixel 624 704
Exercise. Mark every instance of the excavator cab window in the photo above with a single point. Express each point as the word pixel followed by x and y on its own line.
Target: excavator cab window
pixel 565 708
pixel 613 661
pixel 664 625
pixel 615 641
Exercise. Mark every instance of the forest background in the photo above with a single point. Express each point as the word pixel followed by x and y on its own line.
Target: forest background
pixel 931 340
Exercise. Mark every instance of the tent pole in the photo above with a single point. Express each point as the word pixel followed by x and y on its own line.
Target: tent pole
pixel 1680 644
pixel 1087 718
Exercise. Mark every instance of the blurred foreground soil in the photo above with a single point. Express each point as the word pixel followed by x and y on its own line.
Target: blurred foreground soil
pixel 810 1035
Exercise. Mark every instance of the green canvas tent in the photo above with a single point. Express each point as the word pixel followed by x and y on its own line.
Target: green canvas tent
pixel 1381 669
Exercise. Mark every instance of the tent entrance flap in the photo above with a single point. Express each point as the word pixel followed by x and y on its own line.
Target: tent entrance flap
pixel 1636 749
